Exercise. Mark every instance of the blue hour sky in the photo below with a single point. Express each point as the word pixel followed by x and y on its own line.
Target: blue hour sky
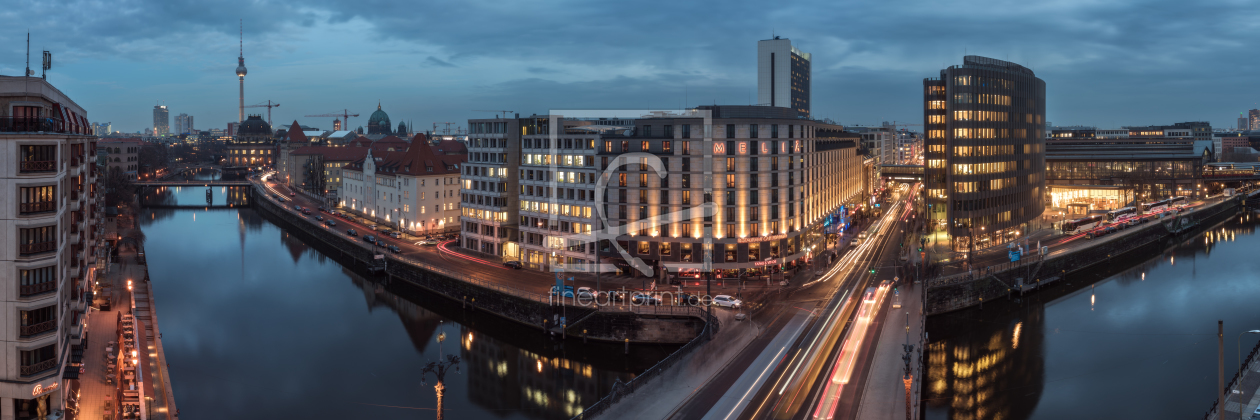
pixel 1105 62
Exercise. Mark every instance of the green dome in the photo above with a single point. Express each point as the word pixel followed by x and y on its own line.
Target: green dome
pixel 378 123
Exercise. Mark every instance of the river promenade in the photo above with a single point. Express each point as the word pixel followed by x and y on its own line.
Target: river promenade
pixel 104 385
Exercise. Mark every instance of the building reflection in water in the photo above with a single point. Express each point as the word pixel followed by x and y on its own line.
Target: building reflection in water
pixel 985 364
pixel 990 364
pixel 501 377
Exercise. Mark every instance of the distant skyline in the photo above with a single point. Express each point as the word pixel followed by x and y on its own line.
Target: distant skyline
pixel 1105 64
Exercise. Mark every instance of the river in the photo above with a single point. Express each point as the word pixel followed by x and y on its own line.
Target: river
pixel 1136 341
pixel 257 324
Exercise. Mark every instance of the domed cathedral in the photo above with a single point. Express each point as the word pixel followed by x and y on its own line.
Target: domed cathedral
pixel 378 123
pixel 253 146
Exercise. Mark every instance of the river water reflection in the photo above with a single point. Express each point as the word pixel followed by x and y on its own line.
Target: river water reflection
pixel 257 324
pixel 1140 343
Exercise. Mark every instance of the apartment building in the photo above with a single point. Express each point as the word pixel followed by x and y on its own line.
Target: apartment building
pixel 49 212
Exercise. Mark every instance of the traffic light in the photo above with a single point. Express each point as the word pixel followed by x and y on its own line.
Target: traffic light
pixel 920 248
pixel 872 270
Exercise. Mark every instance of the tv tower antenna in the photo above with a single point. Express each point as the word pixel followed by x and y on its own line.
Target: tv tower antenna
pixel 241 72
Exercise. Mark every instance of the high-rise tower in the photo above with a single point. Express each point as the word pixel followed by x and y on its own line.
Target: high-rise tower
pixel 985 172
pixel 240 72
pixel 783 75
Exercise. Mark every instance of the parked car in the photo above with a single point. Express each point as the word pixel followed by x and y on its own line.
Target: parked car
pixel 644 299
pixel 726 301
pixel 320 218
pixel 330 222
pixel 369 239
pixel 322 208
pixel 352 232
pixel 568 291
pixel 688 299
pixel 395 235
pixel 515 265
pixel 394 249
pixel 373 227
pixel 306 211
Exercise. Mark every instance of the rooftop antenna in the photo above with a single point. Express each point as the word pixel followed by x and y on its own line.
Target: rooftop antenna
pixel 28 55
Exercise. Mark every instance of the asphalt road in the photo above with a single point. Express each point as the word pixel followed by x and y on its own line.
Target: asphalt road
pixel 792 389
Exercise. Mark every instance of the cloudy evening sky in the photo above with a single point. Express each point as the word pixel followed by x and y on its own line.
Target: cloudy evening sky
pixel 1105 62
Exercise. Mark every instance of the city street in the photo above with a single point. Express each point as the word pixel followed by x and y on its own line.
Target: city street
pixel 784 374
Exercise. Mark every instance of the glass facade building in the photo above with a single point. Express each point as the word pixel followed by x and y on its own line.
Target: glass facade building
pixel 984 151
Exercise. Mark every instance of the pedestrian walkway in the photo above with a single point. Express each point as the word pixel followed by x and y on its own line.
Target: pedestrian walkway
pixel 99 398
pixel 884 395
pixel 1244 396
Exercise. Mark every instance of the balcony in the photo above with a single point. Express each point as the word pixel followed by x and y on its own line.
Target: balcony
pixel 37 248
pixel 40 207
pixel 76 161
pixel 74 195
pixel 29 166
pixel 37 329
pixel 37 289
pixel 28 370
pixel 31 124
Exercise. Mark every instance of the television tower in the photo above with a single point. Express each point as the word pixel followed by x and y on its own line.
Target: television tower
pixel 240 72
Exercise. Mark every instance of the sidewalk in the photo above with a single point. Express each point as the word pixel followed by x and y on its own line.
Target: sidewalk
pixel 884 395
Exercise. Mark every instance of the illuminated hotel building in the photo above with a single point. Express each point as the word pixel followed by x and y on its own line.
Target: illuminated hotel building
pixel 985 126
pixel 774 184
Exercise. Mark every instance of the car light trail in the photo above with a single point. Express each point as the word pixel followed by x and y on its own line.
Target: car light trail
pixel 842 369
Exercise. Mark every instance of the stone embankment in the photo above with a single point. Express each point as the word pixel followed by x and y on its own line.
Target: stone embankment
pixel 664 325
pixel 951 293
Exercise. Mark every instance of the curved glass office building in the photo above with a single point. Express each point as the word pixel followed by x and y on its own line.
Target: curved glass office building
pixel 985 151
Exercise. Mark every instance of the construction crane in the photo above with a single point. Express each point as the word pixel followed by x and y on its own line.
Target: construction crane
pixel 448 127
pixel 268 105
pixel 497 112
pixel 344 115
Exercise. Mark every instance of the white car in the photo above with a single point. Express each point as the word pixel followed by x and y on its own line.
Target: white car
pixel 726 301
pixel 586 293
pixel 428 242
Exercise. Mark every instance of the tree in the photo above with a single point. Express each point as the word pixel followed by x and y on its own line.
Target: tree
pixel 153 157
pixel 118 188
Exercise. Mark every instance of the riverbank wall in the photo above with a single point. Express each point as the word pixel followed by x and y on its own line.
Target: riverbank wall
pixel 951 293
pixel 665 325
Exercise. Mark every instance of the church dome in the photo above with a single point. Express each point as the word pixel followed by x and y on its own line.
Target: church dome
pixel 254 126
pixel 378 123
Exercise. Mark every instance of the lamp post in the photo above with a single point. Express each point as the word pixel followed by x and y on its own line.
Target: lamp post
pixel 438 369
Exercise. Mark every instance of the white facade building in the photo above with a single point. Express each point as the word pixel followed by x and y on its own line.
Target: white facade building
pixel 415 191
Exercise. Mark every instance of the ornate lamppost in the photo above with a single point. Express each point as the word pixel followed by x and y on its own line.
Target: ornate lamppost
pixel 438 369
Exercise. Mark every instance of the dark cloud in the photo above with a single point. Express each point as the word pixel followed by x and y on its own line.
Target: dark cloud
pixel 1127 62
pixel 434 61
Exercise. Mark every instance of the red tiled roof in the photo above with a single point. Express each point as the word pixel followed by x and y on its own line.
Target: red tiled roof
pixel 295 134
pixel 452 147
pixel 418 160
pixel 333 154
